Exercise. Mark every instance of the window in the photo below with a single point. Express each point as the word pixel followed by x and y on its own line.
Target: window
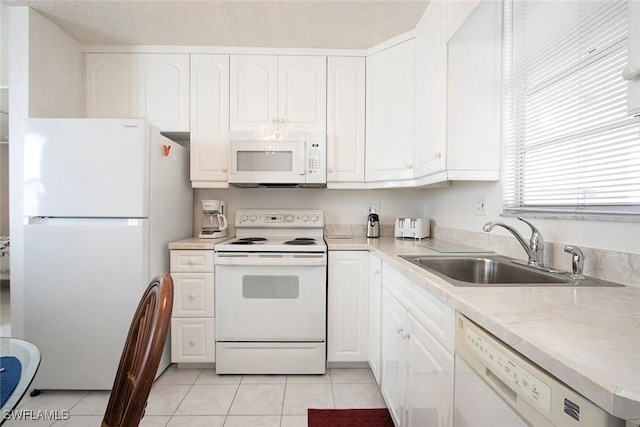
pixel 570 145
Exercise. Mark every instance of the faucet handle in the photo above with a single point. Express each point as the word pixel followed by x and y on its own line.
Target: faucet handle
pixel 577 261
pixel 535 233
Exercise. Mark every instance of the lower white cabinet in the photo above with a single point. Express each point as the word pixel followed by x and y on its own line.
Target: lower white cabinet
pixel 417 369
pixel 375 315
pixel 192 318
pixel 348 306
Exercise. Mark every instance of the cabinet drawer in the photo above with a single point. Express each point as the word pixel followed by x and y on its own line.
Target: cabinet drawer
pixel 192 261
pixel 436 316
pixel 193 295
pixel 193 340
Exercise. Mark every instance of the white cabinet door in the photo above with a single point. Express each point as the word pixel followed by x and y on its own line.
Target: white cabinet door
pixel 193 295
pixel 302 93
pixel 633 101
pixel 163 91
pixel 254 86
pixel 431 91
pixel 112 85
pixel 270 92
pixel 345 119
pixel 150 86
pixel 375 314
pixel 474 129
pixel 348 306
pixel 390 113
pixel 429 379
pixel 193 340
pixel 209 120
pixel 393 357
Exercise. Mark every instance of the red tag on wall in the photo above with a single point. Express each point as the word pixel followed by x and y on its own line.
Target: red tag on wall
pixel 166 149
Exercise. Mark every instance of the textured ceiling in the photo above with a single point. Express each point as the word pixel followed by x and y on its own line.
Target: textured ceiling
pixel 294 23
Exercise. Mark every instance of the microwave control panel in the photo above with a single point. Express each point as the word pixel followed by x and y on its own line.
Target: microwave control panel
pixel 316 156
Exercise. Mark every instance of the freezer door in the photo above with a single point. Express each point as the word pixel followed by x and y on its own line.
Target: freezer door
pixel 86 168
pixel 82 283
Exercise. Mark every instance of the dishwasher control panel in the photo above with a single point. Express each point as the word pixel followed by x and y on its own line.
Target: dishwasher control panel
pixel 539 398
pixel 519 376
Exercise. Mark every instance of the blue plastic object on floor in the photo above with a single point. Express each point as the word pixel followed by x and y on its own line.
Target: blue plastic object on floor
pixel 10 371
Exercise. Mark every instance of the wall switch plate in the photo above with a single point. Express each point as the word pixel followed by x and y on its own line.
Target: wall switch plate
pixel 373 208
pixel 481 205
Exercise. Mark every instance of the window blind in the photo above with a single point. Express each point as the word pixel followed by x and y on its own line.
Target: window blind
pixel 570 146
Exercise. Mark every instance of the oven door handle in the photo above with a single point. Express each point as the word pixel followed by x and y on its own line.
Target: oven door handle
pixel 271 261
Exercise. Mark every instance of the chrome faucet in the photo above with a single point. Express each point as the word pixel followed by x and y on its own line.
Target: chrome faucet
pixel 535 247
pixel 577 261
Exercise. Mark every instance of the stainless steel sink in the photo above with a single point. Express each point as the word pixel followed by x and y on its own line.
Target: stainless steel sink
pixel 488 271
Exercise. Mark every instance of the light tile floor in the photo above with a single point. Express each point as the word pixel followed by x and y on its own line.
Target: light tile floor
pixel 201 398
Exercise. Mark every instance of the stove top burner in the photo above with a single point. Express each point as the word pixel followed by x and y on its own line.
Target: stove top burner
pixel 301 241
pixel 249 241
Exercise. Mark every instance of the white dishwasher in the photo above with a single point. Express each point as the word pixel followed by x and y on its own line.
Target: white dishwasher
pixel 497 387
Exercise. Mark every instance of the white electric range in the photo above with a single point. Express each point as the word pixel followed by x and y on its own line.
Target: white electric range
pixel 270 297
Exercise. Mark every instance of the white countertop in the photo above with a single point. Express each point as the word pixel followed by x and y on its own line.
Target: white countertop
pixel 589 338
pixel 197 244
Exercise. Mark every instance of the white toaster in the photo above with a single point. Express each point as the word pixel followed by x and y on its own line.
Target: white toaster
pixel 412 228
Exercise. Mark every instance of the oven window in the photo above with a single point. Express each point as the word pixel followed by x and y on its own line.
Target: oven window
pixel 270 287
pixel 264 161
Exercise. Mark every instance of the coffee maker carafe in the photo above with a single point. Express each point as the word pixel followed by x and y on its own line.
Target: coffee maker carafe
pixel 214 221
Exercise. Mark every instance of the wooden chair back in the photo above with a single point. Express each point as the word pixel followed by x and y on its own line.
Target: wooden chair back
pixel 141 355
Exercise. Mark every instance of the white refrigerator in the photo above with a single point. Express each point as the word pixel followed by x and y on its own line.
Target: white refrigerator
pixel 102 200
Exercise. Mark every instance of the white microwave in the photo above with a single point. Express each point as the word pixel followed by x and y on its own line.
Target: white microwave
pixel 293 159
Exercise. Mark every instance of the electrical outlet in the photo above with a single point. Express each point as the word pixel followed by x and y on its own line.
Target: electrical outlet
pixel 481 205
pixel 373 208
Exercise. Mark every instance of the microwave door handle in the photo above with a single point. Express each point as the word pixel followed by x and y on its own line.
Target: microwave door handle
pixel 302 157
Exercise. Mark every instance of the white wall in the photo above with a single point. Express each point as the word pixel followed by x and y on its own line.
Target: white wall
pixel 339 206
pixel 454 207
pixel 46 69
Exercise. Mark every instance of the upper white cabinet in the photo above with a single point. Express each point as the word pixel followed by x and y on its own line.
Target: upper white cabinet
pixel 112 85
pixel 270 93
pixel 345 122
pixel 474 95
pixel 209 120
pixel 348 306
pixel 390 113
pixel 458 91
pixel 632 70
pixel 150 86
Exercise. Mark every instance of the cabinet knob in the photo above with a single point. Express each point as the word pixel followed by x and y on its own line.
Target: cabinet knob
pixel 283 120
pixel 399 329
pixel 406 335
pixel 631 72
pixel 409 165
pixel 377 271
pixel 192 296
pixel 224 169
pixel 274 120
pixel 192 343
pixel 330 170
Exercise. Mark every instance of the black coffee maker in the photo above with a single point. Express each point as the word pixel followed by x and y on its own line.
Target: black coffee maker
pixel 373 225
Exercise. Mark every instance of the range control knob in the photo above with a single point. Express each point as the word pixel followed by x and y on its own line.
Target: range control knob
pixel 314 218
pixel 289 218
pixel 244 217
pixel 253 218
pixel 305 218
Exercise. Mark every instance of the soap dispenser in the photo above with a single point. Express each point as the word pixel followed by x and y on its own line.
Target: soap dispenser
pixel 373 225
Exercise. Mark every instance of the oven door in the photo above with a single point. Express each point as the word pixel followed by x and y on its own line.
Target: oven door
pixel 270 296
pixel 268 162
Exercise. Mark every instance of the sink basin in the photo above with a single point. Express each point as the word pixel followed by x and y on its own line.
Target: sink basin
pixel 495 271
